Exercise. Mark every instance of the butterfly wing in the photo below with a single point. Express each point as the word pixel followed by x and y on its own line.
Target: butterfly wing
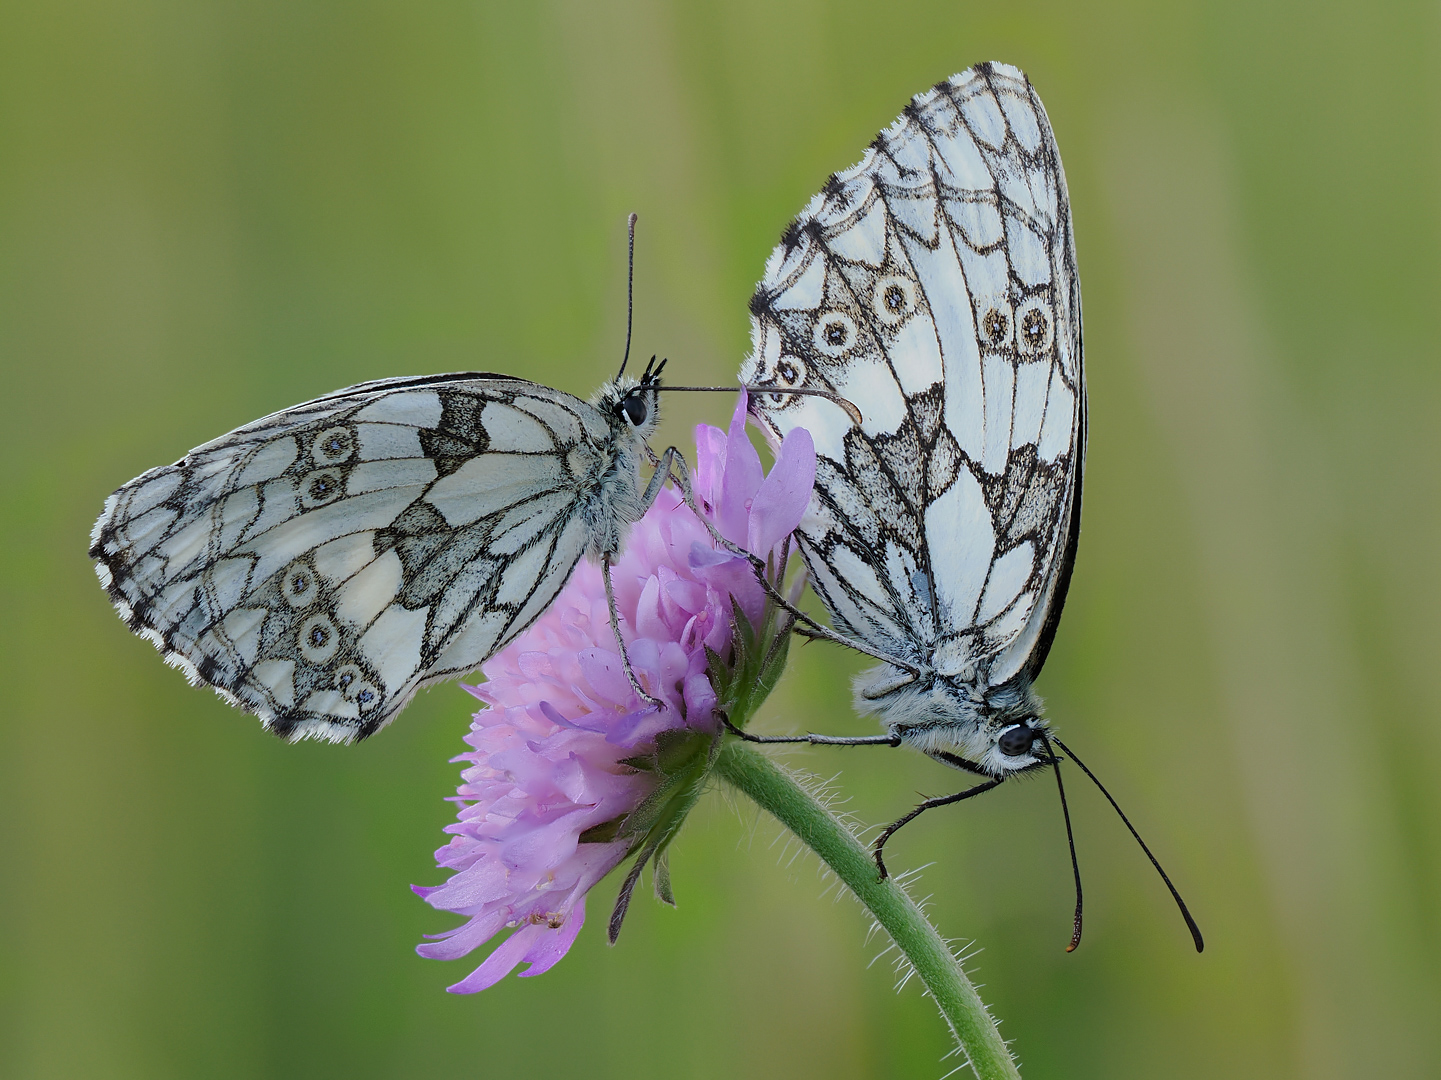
pixel 934 284
pixel 320 565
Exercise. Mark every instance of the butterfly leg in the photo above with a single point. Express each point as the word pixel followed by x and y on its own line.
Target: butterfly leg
pixel 619 641
pixel 930 804
pixel 814 740
pixel 662 473
pixel 648 498
pixel 675 467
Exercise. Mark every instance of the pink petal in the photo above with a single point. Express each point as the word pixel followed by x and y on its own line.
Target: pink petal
pixel 602 669
pixel 731 576
pixel 700 698
pixel 555 943
pixel 784 495
pixel 710 463
pixel 743 477
pixel 470 935
pixel 501 962
pixel 689 596
pixel 649 622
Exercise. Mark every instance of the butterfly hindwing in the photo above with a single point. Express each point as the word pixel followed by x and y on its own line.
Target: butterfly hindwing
pixel 320 565
pixel 934 285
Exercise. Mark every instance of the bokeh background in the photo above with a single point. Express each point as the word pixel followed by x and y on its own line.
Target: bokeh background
pixel 210 211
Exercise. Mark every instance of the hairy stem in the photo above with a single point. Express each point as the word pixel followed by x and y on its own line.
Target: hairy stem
pixel 778 792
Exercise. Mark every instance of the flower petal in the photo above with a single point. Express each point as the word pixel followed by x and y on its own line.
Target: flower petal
pixel 687 595
pixel 454 944
pixel 742 478
pixel 552 945
pixel 710 463
pixel 501 962
pixel 649 621
pixel 604 672
pixel 784 495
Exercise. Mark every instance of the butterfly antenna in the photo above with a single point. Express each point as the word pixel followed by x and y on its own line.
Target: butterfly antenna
pixel 629 291
pixel 1070 840
pixel 1185 911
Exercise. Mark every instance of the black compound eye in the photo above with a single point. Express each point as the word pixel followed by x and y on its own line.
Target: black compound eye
pixel 633 408
pixel 1017 740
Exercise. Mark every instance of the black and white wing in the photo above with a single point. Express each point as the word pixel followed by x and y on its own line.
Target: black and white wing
pixel 319 566
pixel 934 285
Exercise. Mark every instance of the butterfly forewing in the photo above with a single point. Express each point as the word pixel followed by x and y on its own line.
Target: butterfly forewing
pixel 320 565
pixel 934 284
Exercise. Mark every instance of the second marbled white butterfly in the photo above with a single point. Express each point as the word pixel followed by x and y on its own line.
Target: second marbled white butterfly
pixel 935 284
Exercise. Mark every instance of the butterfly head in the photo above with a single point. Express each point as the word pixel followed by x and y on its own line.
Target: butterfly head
pixel 1007 744
pixel 1013 732
pixel 633 403
pixel 1019 740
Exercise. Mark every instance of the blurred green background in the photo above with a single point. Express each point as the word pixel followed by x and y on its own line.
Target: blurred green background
pixel 210 211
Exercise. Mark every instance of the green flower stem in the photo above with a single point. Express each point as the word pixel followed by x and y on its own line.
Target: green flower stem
pixel 777 791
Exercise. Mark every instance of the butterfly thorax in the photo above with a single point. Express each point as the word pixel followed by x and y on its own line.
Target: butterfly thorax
pixel 950 715
pixel 611 488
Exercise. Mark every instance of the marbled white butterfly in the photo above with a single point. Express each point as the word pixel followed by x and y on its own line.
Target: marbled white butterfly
pixel 935 285
pixel 318 566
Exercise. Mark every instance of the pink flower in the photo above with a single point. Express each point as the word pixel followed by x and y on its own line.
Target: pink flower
pixel 549 753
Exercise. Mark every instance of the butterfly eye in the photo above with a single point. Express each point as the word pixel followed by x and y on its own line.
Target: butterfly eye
pixel 1017 740
pixel 1033 327
pixel 895 298
pixel 835 333
pixel 633 408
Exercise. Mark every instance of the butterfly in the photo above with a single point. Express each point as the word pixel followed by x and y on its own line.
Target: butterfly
pixel 935 284
pixel 319 566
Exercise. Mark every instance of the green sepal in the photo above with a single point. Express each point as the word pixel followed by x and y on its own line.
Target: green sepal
pixel 661 871
pixel 603 833
pixel 759 658
pixel 682 761
pixel 773 665
pixel 743 634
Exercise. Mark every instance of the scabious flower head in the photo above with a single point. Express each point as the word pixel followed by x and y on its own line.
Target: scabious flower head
pixel 568 771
